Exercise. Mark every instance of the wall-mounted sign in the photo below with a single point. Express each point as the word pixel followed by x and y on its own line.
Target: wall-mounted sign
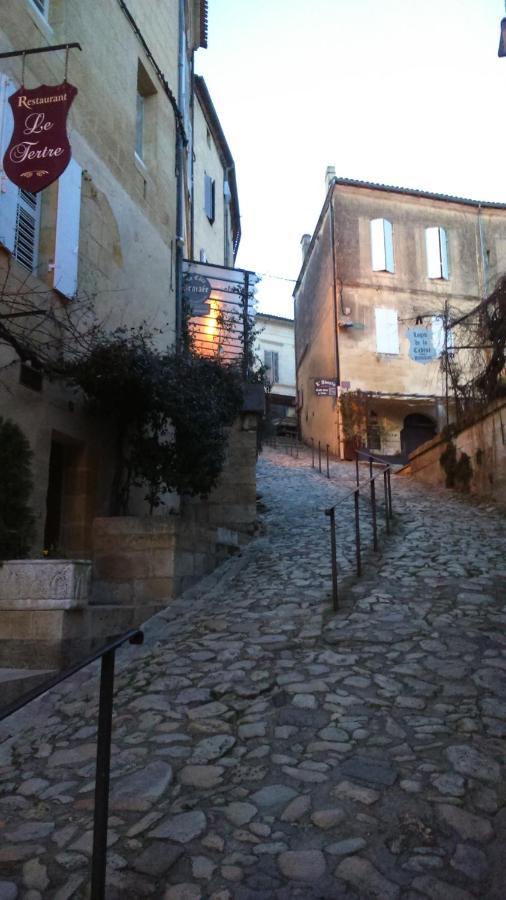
pixel 421 348
pixel 197 290
pixel 39 149
pixel 325 387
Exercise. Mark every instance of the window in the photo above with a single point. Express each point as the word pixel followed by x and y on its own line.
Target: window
pixel 271 363
pixel 436 243
pixel 145 119
pixel 382 246
pixel 387 331
pixel 42 6
pixel 26 234
pixel 209 197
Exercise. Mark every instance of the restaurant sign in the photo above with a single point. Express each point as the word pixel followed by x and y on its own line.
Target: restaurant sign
pixel 196 291
pixel 39 149
pixel 325 387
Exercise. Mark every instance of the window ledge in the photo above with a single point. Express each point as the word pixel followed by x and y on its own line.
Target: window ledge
pixel 39 20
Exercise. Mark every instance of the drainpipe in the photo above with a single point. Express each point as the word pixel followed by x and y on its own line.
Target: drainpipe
pixel 180 177
pixel 336 317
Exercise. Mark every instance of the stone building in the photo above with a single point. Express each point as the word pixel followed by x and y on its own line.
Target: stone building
pixel 383 271
pixel 115 227
pixel 275 350
pixel 150 188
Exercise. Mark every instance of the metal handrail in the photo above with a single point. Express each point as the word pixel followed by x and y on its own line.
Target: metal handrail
pixel 355 493
pixel 103 763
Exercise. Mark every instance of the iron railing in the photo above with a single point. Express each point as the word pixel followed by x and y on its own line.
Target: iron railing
pixel 106 654
pixel 384 473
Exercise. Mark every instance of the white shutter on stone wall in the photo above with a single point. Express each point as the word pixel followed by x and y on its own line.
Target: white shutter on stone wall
pixel 8 191
pixel 67 230
pixel 387 331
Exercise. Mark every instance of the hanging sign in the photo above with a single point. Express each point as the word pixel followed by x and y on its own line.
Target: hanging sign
pixel 39 149
pixel 197 290
pixel 421 347
pixel 325 387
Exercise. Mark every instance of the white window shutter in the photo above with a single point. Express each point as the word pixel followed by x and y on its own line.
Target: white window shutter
pixel 433 252
pixel 443 248
pixel 389 245
pixel 67 230
pixel 438 334
pixel 8 191
pixel 377 245
pixel 387 331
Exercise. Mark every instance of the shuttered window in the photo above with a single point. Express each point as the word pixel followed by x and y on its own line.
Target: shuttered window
pixel 209 197
pixel 438 335
pixel 382 246
pixel 436 244
pixel 271 363
pixel 67 230
pixel 26 235
pixel 19 210
pixel 42 6
pixel 387 331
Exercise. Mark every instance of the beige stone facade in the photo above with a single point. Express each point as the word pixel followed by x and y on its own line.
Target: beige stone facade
pixel 356 301
pixel 118 232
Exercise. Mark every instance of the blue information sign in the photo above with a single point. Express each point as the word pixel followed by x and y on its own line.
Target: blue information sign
pixel 421 348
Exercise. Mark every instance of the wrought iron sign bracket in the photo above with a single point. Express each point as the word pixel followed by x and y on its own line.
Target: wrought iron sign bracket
pixel 41 50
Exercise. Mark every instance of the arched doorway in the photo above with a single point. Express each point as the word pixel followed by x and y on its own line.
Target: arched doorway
pixel 417 430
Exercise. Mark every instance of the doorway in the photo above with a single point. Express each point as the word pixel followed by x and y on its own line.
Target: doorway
pixel 417 430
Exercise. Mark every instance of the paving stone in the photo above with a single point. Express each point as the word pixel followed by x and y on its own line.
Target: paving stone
pixel 346 847
pixel 240 813
pixel 471 861
pixel 468 825
pixel 157 858
pixel 201 776
pixel 273 796
pixel 212 748
pixel 29 831
pixel 327 818
pixel 372 771
pixel 469 761
pixel 432 887
pixel 304 865
pixel 181 828
pixel 141 789
pixel 8 890
pixel 363 876
pixel 346 790
pixel 35 875
pixel 184 891
pixel 202 867
pixel 296 809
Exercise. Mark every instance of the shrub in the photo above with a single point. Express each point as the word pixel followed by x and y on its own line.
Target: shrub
pixel 16 517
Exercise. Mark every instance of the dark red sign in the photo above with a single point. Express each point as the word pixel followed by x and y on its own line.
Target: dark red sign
pixel 39 149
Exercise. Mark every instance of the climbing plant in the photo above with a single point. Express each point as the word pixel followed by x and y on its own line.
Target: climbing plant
pixel 16 517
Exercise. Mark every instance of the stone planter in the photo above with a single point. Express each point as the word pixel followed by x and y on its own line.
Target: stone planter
pixel 41 584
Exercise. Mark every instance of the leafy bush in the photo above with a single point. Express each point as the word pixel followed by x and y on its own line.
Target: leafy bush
pixel 170 412
pixel 16 518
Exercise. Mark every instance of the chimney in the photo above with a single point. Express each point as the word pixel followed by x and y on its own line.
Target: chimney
pixel 304 243
pixel 330 174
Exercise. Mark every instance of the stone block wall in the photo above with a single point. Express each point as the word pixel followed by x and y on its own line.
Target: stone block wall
pixel 484 442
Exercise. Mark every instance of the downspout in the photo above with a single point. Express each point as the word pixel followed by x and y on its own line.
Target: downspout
pixel 180 177
pixel 484 267
pixel 336 318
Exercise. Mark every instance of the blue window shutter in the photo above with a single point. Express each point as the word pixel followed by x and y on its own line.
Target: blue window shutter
pixel 432 244
pixel 67 230
pixel 443 249
pixel 387 330
pixel 377 245
pixel 8 191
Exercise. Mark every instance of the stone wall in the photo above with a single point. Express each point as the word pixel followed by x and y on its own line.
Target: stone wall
pixel 484 442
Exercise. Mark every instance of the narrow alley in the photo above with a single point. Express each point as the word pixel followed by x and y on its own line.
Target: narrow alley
pixel 264 747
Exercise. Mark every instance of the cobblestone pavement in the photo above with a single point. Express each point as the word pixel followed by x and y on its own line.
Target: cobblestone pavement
pixel 264 748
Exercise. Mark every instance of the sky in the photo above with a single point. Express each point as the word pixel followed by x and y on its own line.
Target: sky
pixel 403 92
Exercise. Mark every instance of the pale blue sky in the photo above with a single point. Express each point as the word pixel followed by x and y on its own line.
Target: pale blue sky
pixel 403 92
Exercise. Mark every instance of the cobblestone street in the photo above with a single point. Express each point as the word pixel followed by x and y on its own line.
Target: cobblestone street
pixel 266 748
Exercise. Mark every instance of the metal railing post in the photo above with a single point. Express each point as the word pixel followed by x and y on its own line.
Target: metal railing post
pixel 389 494
pixel 356 469
pixel 312 453
pixel 373 509
pixel 328 470
pixel 319 458
pixel 357 532
pixel 333 556
pixel 387 511
pixel 99 858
